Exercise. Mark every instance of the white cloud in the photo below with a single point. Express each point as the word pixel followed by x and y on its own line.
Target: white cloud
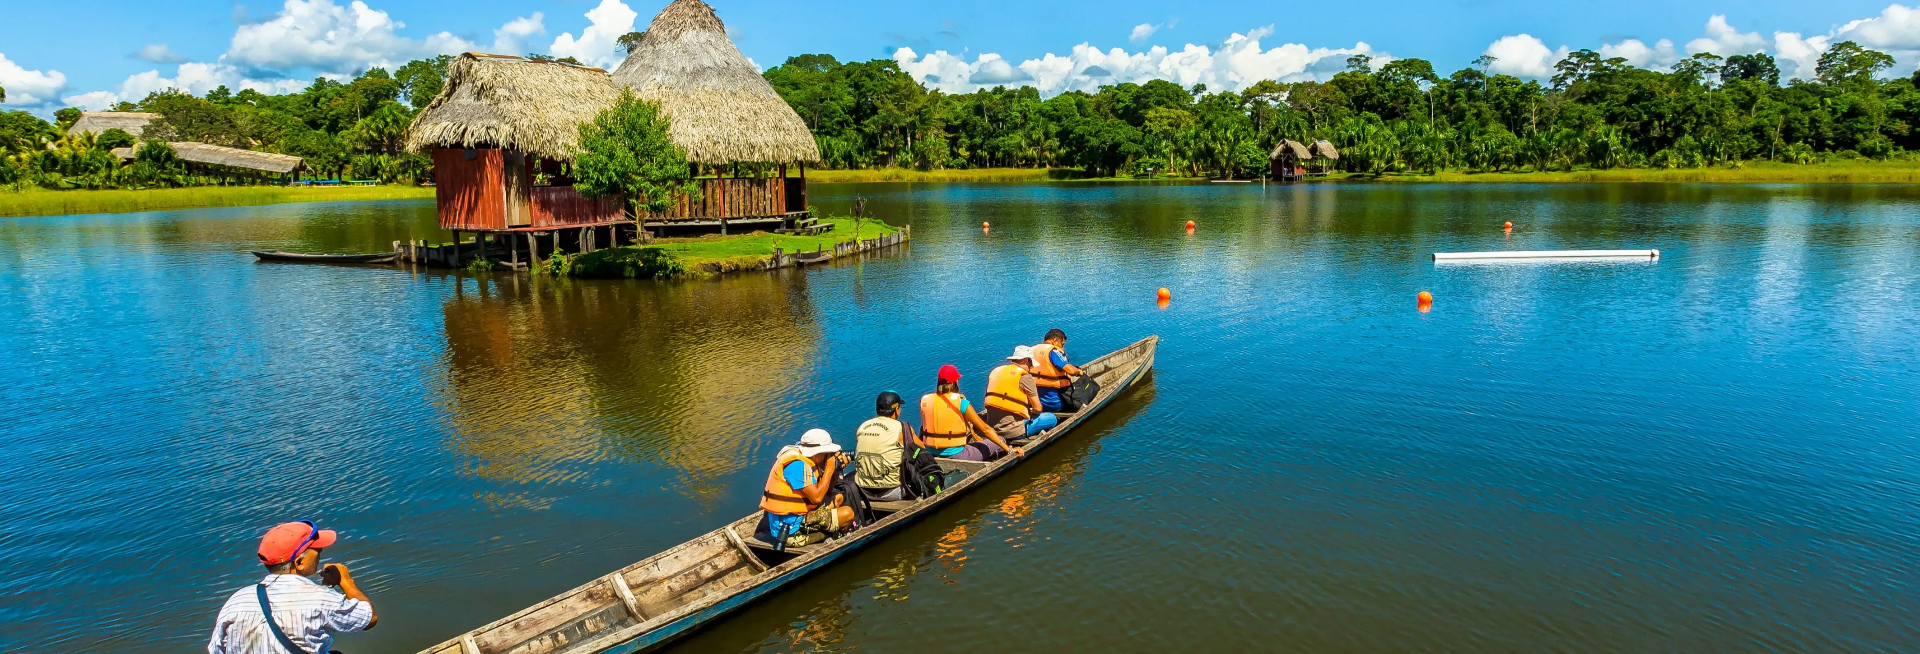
pixel 93 100
pixel 512 37
pixel 29 87
pixel 1637 53
pixel 1237 63
pixel 1722 39
pixel 1796 56
pixel 1896 28
pixel 610 21
pixel 159 53
pixel 1522 55
pixel 1142 32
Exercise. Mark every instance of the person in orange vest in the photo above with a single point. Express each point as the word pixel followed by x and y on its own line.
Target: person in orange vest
pixel 1051 371
pixel 949 425
pixel 799 504
pixel 1013 398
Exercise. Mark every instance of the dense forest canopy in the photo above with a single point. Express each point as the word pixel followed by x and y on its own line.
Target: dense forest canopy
pixel 1595 111
pixel 1402 115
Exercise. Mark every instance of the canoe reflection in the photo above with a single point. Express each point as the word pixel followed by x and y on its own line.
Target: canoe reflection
pixel 548 379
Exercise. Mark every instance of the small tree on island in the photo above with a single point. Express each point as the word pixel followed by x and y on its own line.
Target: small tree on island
pixel 626 151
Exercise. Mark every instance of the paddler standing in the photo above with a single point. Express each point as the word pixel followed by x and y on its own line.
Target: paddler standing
pixel 287 613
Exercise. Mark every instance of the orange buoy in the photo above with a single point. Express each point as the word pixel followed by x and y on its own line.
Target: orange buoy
pixel 1426 298
pixel 1189 225
pixel 1164 295
pixel 985 225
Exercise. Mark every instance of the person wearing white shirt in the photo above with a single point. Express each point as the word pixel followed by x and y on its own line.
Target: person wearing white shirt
pixel 287 613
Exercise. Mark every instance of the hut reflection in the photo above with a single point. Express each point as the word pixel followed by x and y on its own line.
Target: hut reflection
pixel 549 379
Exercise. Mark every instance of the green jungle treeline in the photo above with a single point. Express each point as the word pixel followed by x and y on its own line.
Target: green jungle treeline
pixel 1595 112
pixel 351 129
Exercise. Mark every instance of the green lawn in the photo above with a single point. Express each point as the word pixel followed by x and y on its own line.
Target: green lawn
pixel 40 202
pixel 716 254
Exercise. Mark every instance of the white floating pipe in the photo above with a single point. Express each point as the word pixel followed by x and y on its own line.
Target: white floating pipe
pixel 1547 254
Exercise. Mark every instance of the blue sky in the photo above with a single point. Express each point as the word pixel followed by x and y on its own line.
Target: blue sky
pixel 93 52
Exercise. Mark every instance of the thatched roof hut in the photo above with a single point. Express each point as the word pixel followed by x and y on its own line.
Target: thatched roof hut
pixel 98 122
pixel 202 153
pixel 1325 150
pixel 511 102
pixel 1290 146
pixel 721 109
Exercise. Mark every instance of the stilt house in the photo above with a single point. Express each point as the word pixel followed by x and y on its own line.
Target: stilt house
pixel 722 113
pixel 499 132
pixel 1291 160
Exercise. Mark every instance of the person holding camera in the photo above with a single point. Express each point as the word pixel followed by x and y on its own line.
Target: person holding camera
pixel 800 505
pixel 287 613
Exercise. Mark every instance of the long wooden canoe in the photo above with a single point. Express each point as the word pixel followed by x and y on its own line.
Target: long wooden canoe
pixel 648 604
pixel 309 257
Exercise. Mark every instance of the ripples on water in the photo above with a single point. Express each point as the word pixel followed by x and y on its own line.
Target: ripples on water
pixel 1710 452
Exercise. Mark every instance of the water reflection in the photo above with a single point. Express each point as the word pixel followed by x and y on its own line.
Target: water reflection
pixel 546 379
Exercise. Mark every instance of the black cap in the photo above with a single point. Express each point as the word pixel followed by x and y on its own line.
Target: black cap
pixel 886 402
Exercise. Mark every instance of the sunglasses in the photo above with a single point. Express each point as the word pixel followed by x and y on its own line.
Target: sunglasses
pixel 313 533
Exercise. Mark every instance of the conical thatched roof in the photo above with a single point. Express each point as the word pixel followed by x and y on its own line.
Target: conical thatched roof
pixel 1325 149
pixel 511 102
pixel 721 109
pixel 1298 149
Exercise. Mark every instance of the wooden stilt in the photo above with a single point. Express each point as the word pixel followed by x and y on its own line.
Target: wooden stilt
pixel 533 250
pixel 456 249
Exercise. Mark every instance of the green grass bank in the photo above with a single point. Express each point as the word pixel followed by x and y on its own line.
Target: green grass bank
pixel 40 202
pixel 711 254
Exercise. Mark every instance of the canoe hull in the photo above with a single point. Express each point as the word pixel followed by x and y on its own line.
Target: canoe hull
pixel 581 622
pixel 307 257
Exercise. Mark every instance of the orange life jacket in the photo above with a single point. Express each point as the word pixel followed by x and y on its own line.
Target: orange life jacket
pixel 1044 372
pixel 1004 392
pixel 779 497
pixel 942 425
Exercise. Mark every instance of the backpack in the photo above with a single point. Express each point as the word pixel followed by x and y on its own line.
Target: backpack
pixel 1082 393
pixel 920 474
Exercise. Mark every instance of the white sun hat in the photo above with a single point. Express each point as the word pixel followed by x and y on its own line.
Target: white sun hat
pixel 1021 352
pixel 816 442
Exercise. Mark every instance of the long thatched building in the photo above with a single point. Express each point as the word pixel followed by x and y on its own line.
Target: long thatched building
pixel 1291 160
pixel 722 112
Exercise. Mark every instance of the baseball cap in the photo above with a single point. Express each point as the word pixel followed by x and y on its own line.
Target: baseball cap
pixel 948 373
pixel 285 541
pixel 886 402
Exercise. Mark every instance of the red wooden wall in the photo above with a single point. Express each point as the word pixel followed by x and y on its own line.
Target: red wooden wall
pixel 562 206
pixel 471 193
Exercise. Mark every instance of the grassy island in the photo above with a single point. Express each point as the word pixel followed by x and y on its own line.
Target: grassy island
pixel 39 202
pixel 708 255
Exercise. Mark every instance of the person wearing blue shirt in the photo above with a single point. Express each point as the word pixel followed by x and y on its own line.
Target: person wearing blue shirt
pixel 1052 373
pixel 799 508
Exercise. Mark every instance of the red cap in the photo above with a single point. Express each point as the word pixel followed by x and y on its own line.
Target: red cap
pixel 287 540
pixel 949 374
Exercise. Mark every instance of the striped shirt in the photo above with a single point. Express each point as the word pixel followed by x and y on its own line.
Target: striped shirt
pixel 306 612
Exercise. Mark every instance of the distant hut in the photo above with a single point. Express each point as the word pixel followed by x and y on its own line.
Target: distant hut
pixel 499 133
pixel 98 122
pixel 1327 154
pixel 1287 161
pixel 204 159
pixel 723 112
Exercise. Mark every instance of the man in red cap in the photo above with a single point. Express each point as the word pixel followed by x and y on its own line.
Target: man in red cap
pixel 952 428
pixel 287 613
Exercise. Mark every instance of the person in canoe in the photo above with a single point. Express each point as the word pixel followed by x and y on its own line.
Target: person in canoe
pixel 287 612
pixel 801 507
pixel 1013 398
pixel 880 449
pixel 949 425
pixel 1052 373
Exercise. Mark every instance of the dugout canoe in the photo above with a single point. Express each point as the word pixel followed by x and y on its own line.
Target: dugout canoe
pixel 308 257
pixel 671 594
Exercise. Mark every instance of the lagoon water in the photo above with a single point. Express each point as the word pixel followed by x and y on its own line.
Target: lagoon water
pixel 1717 451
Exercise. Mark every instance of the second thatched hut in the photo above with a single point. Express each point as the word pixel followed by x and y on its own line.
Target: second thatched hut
pixel 722 113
